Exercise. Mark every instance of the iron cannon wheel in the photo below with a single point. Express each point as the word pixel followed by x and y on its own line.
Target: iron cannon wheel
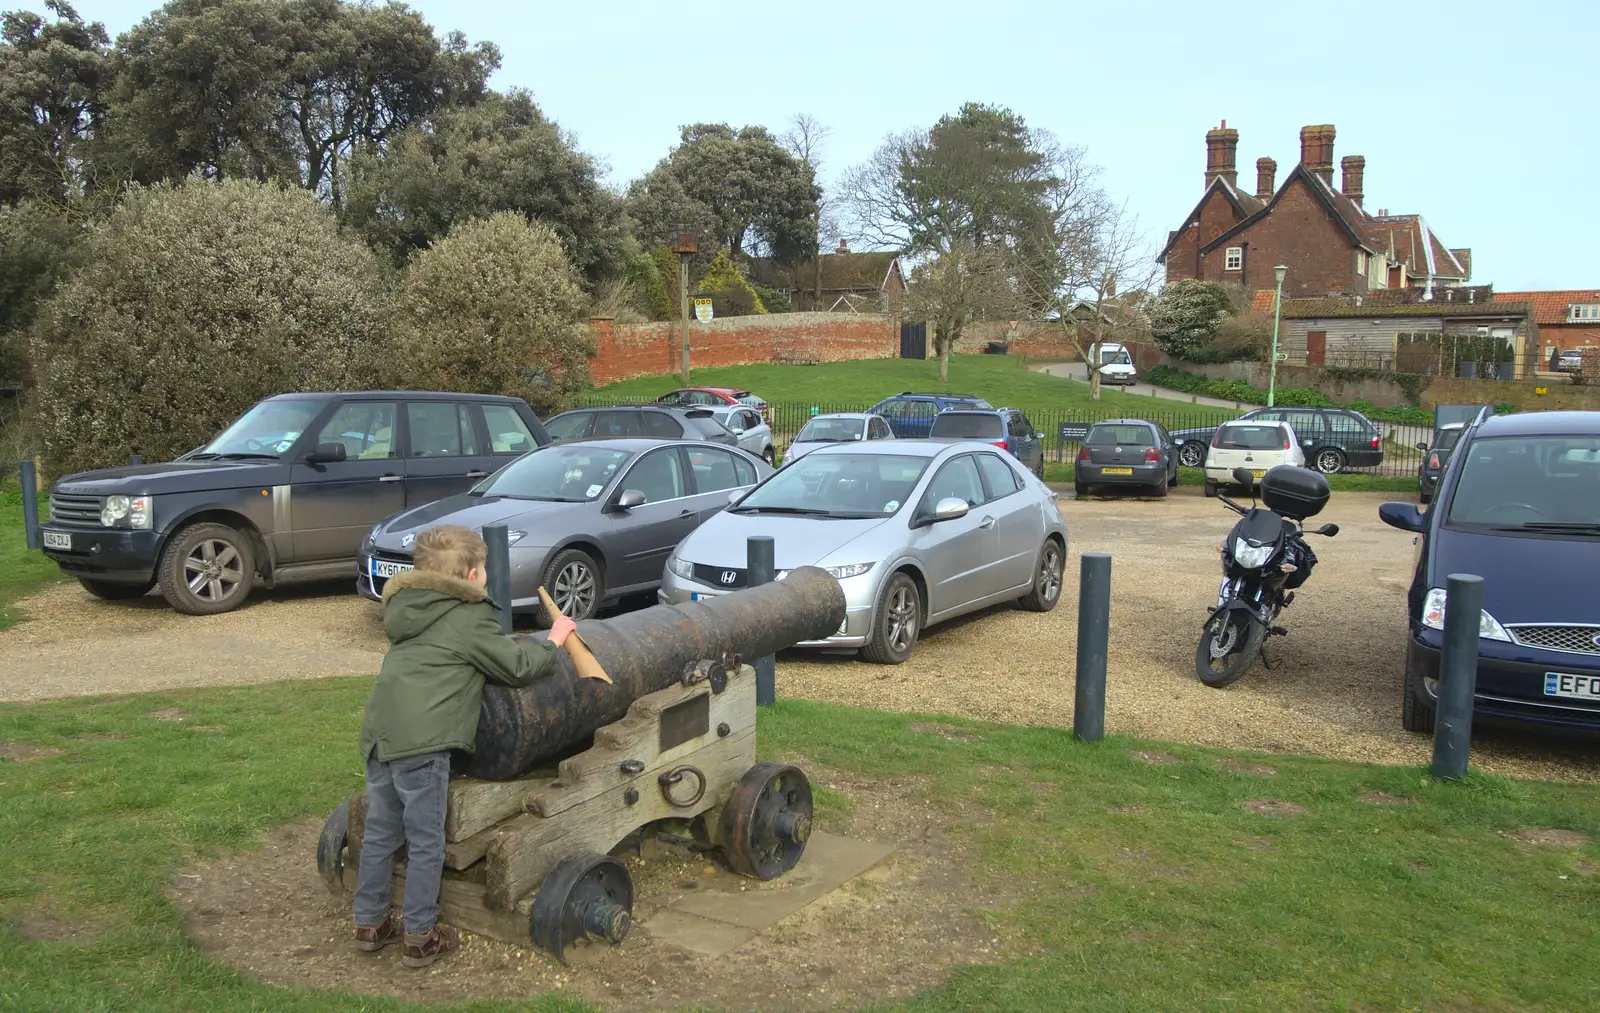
pixel 767 821
pixel 330 848
pixel 585 896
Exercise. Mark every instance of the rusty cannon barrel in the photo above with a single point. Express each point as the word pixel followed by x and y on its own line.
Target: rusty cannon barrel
pixel 644 652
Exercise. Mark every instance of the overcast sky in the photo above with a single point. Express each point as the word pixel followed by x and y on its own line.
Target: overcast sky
pixel 1481 116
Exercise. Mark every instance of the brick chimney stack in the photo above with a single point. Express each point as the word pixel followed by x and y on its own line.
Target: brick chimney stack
pixel 1316 150
pixel 1354 166
pixel 1222 145
pixel 1266 178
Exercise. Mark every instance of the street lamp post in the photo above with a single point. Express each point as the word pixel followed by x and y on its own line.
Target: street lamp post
pixel 1277 311
pixel 683 242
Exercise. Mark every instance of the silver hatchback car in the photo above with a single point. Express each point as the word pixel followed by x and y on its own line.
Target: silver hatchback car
pixel 916 532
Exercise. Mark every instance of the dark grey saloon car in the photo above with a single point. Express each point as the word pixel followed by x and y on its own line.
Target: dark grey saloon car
pixel 1126 452
pixel 590 521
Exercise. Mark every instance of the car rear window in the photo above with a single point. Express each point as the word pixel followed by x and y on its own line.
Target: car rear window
pixel 1262 437
pixel 1448 440
pixel 968 426
pixel 1120 436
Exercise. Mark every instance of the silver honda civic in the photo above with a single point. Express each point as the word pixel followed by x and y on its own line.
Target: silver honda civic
pixel 916 532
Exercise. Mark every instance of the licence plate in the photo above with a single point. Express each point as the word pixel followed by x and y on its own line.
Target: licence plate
pixel 1116 471
pixel 1573 687
pixel 697 596
pixel 57 540
pixel 1257 474
pixel 384 568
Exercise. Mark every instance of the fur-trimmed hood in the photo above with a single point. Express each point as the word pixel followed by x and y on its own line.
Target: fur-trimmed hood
pixel 416 599
pixel 432 580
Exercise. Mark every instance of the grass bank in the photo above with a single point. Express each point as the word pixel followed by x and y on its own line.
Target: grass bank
pixel 1197 883
pixel 21 571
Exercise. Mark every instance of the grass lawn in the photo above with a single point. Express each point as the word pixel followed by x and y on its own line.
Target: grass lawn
pixel 1000 379
pixel 21 571
pixel 1144 886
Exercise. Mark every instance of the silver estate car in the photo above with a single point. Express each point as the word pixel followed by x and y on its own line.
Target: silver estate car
pixel 917 532
pixel 837 427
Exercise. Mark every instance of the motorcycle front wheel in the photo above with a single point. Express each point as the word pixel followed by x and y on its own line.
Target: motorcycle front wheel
pixel 1229 643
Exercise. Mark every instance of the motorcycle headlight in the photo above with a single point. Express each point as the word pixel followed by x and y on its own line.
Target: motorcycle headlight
pixel 1251 557
pixel 136 512
pixel 1489 628
pixel 681 567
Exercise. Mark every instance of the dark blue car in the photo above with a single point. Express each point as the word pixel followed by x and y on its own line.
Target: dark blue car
pixel 910 414
pixel 1518 505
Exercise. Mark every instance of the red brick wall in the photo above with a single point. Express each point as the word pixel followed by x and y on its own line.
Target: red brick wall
pixel 1216 217
pixel 625 351
pixel 1299 233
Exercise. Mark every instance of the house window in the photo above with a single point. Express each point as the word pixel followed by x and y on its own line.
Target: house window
pixel 1579 312
pixel 1234 258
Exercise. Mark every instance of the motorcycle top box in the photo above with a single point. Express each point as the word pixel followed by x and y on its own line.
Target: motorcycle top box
pixel 1294 492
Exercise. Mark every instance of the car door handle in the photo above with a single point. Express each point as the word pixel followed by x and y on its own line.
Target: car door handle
pixel 477 474
pixel 389 478
pixel 986 523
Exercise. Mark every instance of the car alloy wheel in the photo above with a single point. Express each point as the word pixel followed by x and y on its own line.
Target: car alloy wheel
pixel 896 621
pixel 1046 590
pixel 206 569
pixel 574 589
pixel 212 571
pixel 902 619
pixel 1330 461
pixel 1192 455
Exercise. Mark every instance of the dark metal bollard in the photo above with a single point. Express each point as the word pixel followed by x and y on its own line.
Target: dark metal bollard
pixel 1458 675
pixel 30 505
pixel 761 560
pixel 498 568
pixel 134 457
pixel 1094 635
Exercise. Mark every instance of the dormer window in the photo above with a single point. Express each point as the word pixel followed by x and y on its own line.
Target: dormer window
pixel 1583 312
pixel 1233 259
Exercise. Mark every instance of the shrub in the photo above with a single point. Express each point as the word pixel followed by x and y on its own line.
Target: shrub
pixel 495 307
pixel 1186 314
pixel 731 295
pixel 772 299
pixel 193 302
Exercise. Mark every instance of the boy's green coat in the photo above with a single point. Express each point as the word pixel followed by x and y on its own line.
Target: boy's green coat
pixel 444 641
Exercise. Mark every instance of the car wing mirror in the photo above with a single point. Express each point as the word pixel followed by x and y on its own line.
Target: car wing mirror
pixel 1422 447
pixel 1329 530
pixel 326 453
pixel 736 495
pixel 630 498
pixel 950 508
pixel 1404 516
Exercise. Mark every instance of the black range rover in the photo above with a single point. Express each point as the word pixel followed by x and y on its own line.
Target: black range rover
pixel 287 493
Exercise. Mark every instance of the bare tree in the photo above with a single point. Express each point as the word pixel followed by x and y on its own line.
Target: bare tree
pixel 950 290
pixel 805 139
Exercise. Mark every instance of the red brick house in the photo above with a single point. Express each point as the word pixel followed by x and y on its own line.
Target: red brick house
pixel 1331 244
pixel 1567 319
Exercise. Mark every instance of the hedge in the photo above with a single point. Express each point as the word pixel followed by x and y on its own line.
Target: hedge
pixel 1294 397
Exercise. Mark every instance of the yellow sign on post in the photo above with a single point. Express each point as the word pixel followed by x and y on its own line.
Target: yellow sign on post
pixel 702 310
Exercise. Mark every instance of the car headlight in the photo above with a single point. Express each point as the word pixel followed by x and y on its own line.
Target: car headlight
pixel 513 537
pixel 681 567
pixel 836 572
pixel 134 512
pixel 1251 557
pixel 371 539
pixel 1433 617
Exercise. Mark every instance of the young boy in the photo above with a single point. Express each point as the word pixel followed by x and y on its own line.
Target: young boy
pixel 444 642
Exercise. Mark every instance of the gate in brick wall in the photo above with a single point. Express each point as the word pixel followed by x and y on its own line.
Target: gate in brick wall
pixel 914 341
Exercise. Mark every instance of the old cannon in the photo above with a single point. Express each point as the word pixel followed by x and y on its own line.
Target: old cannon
pixel 568 769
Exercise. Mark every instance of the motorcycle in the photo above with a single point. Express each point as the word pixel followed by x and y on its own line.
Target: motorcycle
pixel 1264 559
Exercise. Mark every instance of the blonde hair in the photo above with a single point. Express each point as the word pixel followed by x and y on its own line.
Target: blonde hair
pixel 450 548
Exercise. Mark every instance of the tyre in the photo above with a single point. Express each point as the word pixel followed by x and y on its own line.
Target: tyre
pixel 1172 483
pixel 207 569
pixel 1210 489
pixel 1192 455
pixel 767 455
pixel 1329 460
pixel 1046 590
pixel 896 621
pixel 1416 715
pixel 1038 469
pixel 575 583
pixel 1425 497
pixel 108 591
pixel 1229 643
pixel 1080 489
pixel 1160 489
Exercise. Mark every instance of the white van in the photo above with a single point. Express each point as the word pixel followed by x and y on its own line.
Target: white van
pixel 1256 445
pixel 1116 364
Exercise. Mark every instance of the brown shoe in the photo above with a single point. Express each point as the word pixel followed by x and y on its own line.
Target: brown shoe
pixel 373 938
pixel 420 951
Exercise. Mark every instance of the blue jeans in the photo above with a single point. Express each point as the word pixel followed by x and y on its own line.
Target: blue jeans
pixel 406 801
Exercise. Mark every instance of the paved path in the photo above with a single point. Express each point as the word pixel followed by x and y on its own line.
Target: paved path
pixel 1078 371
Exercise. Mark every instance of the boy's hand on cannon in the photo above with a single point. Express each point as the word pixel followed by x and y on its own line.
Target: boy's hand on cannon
pixel 562 628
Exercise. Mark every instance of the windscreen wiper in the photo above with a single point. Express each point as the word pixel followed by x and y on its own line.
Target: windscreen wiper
pixel 1585 527
pixel 808 511
pixel 243 456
